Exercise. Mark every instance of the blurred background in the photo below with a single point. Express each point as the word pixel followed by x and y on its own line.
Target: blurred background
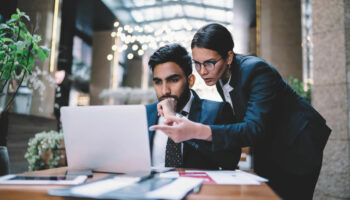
pixel 99 51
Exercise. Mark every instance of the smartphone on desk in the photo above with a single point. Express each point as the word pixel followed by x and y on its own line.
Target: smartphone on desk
pixel 79 172
pixel 42 179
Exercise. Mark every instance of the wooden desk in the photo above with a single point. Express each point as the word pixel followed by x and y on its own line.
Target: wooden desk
pixel 208 191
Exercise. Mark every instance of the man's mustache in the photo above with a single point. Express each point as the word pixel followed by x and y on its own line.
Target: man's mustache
pixel 168 96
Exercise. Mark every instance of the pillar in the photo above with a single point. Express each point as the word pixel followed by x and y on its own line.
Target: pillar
pixel 330 92
pixel 281 36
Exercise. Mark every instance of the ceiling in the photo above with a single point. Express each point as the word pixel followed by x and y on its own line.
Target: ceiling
pixel 157 12
pixel 166 17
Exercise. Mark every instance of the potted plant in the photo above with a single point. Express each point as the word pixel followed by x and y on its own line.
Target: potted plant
pixel 18 50
pixel 299 88
pixel 46 150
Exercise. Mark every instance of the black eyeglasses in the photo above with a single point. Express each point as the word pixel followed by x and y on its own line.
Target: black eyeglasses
pixel 208 65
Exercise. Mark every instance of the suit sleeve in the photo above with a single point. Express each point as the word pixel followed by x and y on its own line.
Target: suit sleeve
pixel 261 84
pixel 225 114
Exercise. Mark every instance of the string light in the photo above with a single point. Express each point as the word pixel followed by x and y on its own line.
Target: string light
pixel 130 56
pixel 141 39
pixel 109 57
pixel 135 47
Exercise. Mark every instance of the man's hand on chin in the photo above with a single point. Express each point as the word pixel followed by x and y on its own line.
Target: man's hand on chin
pixel 167 107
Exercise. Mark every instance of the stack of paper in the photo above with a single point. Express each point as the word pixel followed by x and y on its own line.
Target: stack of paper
pixel 132 188
pixel 236 177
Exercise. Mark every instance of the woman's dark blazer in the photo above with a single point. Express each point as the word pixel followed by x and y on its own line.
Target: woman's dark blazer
pixel 287 134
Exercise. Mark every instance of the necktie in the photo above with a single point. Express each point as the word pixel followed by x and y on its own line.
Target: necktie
pixel 184 113
pixel 173 154
pixel 173 157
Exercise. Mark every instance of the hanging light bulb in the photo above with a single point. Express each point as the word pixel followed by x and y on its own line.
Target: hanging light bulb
pixel 130 56
pixel 113 34
pixel 140 52
pixel 109 57
pixel 125 47
pixel 114 47
pixel 116 24
pixel 135 47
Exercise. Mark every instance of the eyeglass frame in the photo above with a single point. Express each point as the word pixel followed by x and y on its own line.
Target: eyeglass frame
pixel 206 64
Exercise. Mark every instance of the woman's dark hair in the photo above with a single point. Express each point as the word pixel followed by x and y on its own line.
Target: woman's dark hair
pixel 172 53
pixel 215 37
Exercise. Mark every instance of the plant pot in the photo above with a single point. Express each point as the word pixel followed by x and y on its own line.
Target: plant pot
pixel 3 128
pixel 49 156
pixel 4 161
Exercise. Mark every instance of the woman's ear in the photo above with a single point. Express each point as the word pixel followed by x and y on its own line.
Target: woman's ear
pixel 191 80
pixel 230 57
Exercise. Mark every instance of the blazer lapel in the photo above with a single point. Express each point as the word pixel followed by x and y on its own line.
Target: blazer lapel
pixel 235 80
pixel 194 115
pixel 196 108
pixel 152 118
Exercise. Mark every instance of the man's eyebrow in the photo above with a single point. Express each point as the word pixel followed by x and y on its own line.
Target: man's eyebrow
pixel 156 79
pixel 173 76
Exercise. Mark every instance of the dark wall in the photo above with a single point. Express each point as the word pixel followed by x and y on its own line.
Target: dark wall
pixel 79 18
pixel 7 7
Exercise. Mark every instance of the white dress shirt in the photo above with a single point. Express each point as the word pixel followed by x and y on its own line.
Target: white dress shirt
pixel 160 139
pixel 227 88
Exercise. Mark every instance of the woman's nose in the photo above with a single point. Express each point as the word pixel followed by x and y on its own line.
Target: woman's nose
pixel 203 70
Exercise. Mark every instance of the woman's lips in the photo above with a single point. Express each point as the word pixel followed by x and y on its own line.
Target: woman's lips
pixel 207 80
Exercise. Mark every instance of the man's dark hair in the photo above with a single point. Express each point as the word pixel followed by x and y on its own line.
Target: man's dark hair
pixel 215 37
pixel 172 53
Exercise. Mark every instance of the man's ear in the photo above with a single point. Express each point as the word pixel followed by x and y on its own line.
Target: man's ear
pixel 191 80
pixel 230 57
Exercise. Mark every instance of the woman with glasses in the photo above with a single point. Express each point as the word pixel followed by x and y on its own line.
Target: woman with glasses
pixel 286 134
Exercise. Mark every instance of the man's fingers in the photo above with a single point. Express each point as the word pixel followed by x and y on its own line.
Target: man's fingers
pixel 163 128
pixel 160 109
pixel 173 119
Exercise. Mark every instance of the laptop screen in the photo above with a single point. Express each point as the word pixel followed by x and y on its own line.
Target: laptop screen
pixel 106 138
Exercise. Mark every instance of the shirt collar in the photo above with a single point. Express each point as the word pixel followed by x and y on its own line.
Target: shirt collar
pixel 227 86
pixel 187 107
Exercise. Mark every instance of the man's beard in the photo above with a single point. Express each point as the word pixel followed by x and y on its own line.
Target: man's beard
pixel 180 101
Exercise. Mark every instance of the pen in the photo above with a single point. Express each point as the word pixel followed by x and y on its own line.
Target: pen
pixel 147 177
pixel 197 188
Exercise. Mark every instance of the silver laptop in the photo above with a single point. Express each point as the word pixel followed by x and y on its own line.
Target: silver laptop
pixel 107 138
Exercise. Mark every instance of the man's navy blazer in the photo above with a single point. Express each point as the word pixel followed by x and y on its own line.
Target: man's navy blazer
pixel 195 152
pixel 286 132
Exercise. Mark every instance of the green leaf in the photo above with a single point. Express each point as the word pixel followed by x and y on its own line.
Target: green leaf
pixel 20 45
pixel 10 21
pixel 14 17
pixel 25 16
pixel 31 62
pixel 36 38
pixel 4 26
pixel 6 40
pixel 46 50
pixel 41 54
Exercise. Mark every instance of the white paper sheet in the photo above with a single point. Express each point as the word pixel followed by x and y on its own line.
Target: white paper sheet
pixel 104 186
pixel 227 177
pixel 175 190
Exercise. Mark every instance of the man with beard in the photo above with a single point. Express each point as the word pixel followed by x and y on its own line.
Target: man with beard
pixel 172 76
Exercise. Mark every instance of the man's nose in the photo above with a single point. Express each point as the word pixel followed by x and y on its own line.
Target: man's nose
pixel 165 89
